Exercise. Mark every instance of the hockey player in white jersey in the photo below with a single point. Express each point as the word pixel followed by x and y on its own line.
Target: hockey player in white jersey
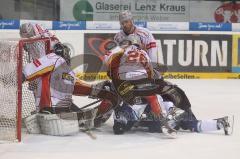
pixel 128 66
pixel 147 40
pixel 148 43
pixel 56 85
pixel 37 49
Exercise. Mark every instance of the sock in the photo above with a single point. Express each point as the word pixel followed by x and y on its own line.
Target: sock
pixel 104 107
pixel 207 125
pixel 154 104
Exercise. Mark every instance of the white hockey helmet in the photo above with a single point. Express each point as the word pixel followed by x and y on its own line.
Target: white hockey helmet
pixel 131 39
pixel 27 30
pixel 125 15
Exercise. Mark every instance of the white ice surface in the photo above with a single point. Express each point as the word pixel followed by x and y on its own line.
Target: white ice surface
pixel 209 98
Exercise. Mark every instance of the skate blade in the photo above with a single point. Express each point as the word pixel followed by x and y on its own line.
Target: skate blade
pixel 231 128
pixel 169 135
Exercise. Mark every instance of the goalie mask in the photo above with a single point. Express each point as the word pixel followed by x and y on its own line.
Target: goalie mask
pixel 63 51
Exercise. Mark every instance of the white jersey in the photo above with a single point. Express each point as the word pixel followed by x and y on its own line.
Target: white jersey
pixel 147 39
pixel 55 80
pixel 131 63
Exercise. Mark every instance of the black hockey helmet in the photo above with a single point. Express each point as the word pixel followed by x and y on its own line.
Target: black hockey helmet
pixel 63 51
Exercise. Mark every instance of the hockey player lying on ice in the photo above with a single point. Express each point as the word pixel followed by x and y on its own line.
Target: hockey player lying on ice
pixel 139 115
pixel 130 68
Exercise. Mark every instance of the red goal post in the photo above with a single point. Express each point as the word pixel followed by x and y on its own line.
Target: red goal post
pixel 17 101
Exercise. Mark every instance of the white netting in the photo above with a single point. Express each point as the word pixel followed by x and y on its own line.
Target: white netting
pixel 8 84
pixel 8 89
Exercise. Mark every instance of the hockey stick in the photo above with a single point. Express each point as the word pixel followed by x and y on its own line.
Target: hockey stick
pixel 90 134
pixel 90 104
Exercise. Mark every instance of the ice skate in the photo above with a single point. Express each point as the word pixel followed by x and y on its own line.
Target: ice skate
pixel 167 130
pixel 223 123
pixel 175 114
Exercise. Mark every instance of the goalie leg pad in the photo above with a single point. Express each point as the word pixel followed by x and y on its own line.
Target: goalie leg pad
pixel 32 124
pixel 63 124
pixel 176 95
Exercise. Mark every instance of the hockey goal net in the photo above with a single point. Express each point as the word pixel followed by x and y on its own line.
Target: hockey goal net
pixel 16 99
